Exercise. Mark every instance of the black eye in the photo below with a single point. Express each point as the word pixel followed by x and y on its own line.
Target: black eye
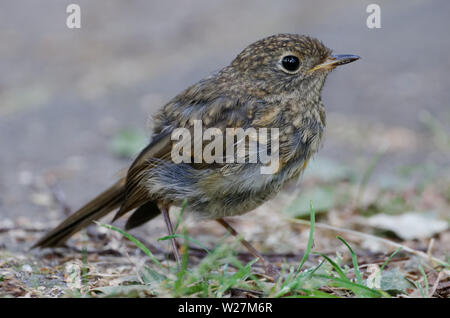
pixel 290 63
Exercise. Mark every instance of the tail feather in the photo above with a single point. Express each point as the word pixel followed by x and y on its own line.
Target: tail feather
pixel 127 194
pixel 143 214
pixel 100 206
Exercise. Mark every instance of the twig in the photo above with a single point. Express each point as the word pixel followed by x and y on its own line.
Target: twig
pixel 436 283
pixel 400 259
pixel 372 237
pixel 430 249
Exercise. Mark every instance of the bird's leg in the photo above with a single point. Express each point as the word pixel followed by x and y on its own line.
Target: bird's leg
pixel 269 268
pixel 165 212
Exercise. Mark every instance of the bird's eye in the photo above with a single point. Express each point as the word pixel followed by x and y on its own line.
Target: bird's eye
pixel 290 63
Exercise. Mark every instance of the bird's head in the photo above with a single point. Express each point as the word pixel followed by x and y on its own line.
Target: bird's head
pixel 286 63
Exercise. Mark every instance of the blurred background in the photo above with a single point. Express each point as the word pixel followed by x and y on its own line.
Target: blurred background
pixel 75 103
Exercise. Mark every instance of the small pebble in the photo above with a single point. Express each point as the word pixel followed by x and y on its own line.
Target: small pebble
pixel 27 268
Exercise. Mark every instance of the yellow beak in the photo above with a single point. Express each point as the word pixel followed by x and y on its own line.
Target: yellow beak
pixel 335 60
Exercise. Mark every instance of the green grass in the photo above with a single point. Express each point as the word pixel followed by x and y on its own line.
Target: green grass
pixel 138 244
pixel 423 289
pixel 311 237
pixel 354 261
pixel 220 272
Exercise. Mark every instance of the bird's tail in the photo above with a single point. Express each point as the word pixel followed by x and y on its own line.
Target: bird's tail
pixel 101 205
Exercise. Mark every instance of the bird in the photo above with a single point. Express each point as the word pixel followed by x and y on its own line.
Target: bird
pixel 275 82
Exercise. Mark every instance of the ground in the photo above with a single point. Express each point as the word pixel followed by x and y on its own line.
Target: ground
pixel 74 108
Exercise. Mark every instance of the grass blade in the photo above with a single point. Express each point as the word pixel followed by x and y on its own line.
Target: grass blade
pixel 354 260
pixel 311 237
pixel 335 266
pixel 141 246
pixel 357 289
pixel 239 275
pixel 425 293
pixel 389 258
pixel 181 274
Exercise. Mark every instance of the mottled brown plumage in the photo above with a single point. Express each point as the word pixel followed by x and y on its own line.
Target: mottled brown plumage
pixel 273 83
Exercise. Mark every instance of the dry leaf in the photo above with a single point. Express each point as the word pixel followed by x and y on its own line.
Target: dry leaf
pixel 409 225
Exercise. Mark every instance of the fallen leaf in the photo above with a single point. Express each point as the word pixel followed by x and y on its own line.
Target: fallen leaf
pixel 394 280
pixel 409 225
pixel 374 279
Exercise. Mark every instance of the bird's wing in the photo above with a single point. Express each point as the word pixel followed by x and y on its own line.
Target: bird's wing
pixel 135 191
pixel 161 146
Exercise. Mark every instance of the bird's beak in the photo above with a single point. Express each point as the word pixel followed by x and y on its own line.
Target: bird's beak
pixel 335 60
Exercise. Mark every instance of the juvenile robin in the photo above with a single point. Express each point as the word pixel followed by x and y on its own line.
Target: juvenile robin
pixel 275 82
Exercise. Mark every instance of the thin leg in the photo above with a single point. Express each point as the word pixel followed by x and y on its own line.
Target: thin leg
pixel 269 268
pixel 165 212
